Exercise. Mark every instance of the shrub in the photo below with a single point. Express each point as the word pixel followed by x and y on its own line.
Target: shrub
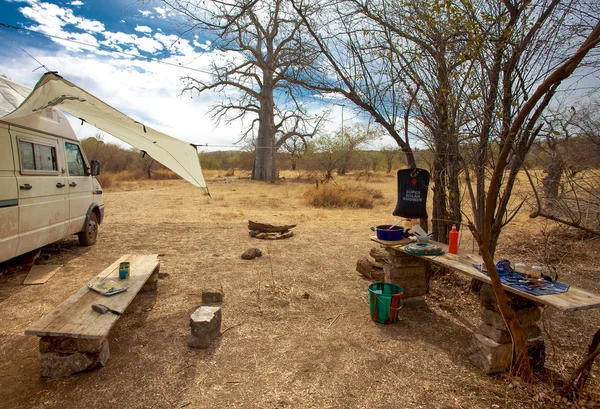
pixel 331 196
pixel 106 180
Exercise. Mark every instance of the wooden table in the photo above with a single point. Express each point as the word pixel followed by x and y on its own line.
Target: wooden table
pixel 573 300
pixel 491 348
pixel 73 336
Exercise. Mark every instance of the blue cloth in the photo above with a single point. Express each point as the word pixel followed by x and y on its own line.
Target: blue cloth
pixel 511 278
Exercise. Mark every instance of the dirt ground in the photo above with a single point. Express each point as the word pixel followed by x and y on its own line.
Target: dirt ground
pixel 296 326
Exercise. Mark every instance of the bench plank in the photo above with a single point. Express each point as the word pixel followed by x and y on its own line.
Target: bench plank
pixel 573 300
pixel 74 317
pixel 81 313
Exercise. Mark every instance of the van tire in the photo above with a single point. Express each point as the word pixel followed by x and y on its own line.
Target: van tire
pixel 89 234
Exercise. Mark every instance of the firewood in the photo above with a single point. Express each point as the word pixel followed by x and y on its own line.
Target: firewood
pixel 269 228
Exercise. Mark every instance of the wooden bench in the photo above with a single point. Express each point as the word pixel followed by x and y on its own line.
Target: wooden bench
pixel 491 349
pixel 73 337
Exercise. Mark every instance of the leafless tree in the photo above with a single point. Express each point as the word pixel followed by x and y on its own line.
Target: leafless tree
pixel 390 153
pixel 260 43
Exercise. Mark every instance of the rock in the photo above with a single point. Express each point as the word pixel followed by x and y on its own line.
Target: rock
pixel 527 317
pixel 205 324
pixel 380 255
pixel 162 276
pixel 368 271
pixel 503 337
pixel 212 296
pixel 248 254
pixel 253 233
pixel 257 252
pixel 60 357
pixel 490 356
pixel 306 296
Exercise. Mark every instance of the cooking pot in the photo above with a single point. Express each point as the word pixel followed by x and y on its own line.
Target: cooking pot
pixel 393 234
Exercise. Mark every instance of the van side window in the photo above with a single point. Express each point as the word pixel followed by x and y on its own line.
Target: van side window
pixel 74 160
pixel 39 157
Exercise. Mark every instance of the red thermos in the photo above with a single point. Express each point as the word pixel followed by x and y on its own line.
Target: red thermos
pixel 453 240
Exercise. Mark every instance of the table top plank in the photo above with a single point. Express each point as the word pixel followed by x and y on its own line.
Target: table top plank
pixel 574 299
pixel 81 316
pixel 75 317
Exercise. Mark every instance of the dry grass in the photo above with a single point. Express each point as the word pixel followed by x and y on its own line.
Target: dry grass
pixel 299 333
pixel 111 180
pixel 332 195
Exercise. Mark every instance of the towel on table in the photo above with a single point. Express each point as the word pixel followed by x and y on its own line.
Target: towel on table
pixel 511 278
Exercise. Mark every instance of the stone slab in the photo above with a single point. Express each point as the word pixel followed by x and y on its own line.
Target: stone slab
pixel 212 296
pixel 490 356
pixel 527 317
pixel 487 298
pixel 413 302
pixel 205 324
pixel 503 337
pixel 404 272
pixel 536 348
pixel 152 282
pixel 57 364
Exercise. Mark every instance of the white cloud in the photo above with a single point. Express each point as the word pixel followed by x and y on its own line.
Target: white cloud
pixel 91 25
pixel 145 44
pixel 145 13
pixel 176 44
pixel 76 3
pixel 143 29
pixel 121 21
pixel 162 11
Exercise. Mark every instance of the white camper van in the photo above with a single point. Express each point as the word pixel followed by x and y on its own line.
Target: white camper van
pixel 47 186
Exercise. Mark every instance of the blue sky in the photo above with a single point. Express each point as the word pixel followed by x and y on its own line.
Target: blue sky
pixel 147 88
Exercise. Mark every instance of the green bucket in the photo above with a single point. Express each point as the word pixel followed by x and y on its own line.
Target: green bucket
pixel 385 301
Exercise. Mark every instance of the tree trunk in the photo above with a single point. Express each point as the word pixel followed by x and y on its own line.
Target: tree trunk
pixel 439 222
pixel 265 165
pixel 554 172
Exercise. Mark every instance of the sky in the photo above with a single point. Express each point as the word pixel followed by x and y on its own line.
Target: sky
pixel 124 52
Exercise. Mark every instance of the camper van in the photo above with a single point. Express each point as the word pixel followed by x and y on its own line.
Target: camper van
pixel 47 186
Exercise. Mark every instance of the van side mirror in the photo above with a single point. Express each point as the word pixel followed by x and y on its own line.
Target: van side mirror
pixel 95 167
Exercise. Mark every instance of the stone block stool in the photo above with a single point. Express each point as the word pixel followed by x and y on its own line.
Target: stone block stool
pixel 205 324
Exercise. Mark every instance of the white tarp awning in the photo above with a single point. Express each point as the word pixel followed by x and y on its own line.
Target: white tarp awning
pixel 54 91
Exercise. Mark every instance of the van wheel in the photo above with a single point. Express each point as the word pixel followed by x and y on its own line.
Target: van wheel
pixel 89 234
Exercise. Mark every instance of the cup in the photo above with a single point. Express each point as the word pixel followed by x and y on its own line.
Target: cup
pixel 536 272
pixel 521 268
pixel 122 274
pixel 124 266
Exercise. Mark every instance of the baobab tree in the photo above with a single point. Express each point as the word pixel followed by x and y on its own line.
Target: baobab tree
pixel 260 41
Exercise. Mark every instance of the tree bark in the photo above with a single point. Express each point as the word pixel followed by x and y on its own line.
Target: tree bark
pixel 264 167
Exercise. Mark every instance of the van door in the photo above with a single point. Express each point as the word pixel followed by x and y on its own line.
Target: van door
pixel 9 198
pixel 43 199
pixel 79 185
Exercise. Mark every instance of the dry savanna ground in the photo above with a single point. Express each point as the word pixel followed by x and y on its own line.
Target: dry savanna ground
pixel 296 327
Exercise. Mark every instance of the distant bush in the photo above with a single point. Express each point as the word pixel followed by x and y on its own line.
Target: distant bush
pixel 330 196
